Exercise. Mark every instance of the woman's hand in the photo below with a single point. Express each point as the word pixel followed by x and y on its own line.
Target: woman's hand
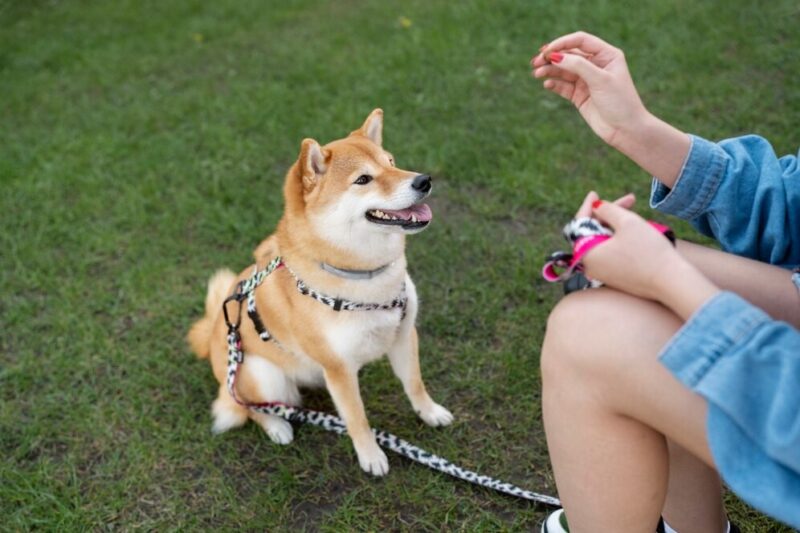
pixel 594 76
pixel 639 260
pixel 585 210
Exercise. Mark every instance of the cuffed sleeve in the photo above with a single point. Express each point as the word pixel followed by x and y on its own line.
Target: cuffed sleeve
pixel 747 367
pixel 739 192
pixel 697 182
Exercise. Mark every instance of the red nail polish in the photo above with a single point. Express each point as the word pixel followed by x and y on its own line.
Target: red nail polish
pixel 596 204
pixel 556 57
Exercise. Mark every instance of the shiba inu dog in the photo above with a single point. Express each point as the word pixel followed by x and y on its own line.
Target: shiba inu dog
pixel 348 211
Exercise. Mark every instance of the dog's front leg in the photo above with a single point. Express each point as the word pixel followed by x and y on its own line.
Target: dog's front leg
pixel 404 357
pixel 342 384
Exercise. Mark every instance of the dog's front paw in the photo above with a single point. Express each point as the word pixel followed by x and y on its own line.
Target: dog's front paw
pixel 436 415
pixel 373 460
pixel 279 430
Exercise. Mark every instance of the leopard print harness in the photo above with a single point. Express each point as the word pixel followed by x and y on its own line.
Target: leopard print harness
pixel 245 291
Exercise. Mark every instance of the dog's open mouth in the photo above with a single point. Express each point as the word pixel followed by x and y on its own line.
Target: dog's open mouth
pixel 413 217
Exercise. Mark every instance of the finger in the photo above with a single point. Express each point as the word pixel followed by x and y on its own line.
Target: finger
pixel 552 71
pixel 562 88
pixel 585 210
pixel 611 214
pixel 626 201
pixel 538 60
pixel 581 67
pixel 579 52
pixel 581 40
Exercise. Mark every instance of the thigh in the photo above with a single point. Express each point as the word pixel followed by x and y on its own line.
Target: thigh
pixel 766 286
pixel 611 341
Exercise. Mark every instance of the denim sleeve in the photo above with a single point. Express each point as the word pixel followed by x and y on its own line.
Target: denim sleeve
pixel 747 367
pixel 739 192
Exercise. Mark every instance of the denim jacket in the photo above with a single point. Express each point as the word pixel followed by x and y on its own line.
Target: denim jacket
pixel 746 365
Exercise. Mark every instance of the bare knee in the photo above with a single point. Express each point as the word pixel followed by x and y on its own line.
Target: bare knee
pixel 594 335
pixel 572 328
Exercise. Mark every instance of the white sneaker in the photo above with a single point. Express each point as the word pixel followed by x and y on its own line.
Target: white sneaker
pixel 556 523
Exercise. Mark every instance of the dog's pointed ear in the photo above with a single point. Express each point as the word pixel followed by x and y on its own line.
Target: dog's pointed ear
pixel 372 127
pixel 312 163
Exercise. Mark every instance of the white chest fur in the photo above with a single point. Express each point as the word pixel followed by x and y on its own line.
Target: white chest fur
pixel 359 337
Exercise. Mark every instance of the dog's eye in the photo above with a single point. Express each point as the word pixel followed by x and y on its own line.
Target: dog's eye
pixel 363 179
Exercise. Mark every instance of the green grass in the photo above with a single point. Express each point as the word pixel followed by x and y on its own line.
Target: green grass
pixel 143 144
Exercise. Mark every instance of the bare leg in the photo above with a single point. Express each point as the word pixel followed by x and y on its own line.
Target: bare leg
pixel 694 496
pixel 766 286
pixel 608 405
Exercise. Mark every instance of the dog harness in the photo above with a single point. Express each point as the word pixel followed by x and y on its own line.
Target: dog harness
pixel 245 290
pixel 583 234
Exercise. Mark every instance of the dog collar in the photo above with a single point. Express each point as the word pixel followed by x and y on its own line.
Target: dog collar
pixel 245 290
pixel 354 274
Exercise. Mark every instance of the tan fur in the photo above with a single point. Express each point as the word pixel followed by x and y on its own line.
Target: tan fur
pixel 219 287
pixel 320 178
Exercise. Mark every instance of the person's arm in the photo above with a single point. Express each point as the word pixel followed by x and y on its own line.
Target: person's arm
pixel 747 367
pixel 641 261
pixel 745 364
pixel 594 76
pixel 739 192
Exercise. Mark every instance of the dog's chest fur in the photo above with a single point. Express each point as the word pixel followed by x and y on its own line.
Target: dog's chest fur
pixel 363 336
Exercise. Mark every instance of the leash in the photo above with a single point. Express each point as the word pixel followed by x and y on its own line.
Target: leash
pixel 245 291
pixel 583 234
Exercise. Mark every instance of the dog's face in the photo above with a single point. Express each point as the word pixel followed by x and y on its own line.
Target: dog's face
pixel 354 192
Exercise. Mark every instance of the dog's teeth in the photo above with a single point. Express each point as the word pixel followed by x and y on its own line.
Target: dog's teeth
pixel 378 213
pixel 414 218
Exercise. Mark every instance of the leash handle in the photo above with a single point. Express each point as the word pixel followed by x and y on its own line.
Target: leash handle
pixel 584 234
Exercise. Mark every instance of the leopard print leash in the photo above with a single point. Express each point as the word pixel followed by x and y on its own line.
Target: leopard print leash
pixel 335 424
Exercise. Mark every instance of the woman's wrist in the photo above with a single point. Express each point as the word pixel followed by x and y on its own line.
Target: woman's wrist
pixel 656 146
pixel 683 288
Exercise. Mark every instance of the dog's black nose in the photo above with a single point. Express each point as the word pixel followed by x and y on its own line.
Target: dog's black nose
pixel 422 183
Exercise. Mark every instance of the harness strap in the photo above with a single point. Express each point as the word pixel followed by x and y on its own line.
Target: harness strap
pixel 245 290
pixel 340 304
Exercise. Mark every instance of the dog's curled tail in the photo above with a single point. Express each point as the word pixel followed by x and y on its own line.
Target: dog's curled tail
pixel 219 287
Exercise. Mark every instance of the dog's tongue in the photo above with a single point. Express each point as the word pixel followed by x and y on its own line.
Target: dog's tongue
pixel 421 211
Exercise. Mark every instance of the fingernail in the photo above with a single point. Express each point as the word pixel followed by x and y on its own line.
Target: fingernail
pixel 596 204
pixel 556 57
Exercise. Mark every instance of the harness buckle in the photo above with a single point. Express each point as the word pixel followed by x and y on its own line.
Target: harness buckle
pixel 237 297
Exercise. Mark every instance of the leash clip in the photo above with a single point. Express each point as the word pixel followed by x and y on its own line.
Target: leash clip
pixel 237 297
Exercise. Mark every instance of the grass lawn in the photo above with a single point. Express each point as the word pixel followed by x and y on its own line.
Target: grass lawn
pixel 144 144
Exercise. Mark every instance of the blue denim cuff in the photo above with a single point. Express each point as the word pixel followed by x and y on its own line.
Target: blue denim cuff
pixel 796 280
pixel 721 323
pixel 697 182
